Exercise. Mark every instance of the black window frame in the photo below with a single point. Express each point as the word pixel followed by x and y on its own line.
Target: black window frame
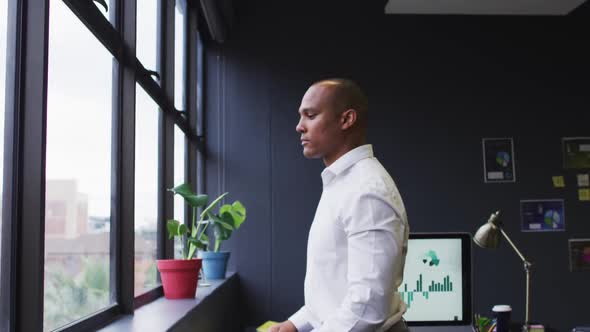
pixel 23 229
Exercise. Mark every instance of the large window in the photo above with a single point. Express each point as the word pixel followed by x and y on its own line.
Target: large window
pixel 146 155
pixel 179 205
pixel 146 192
pixel 179 56
pixel 147 33
pixel 3 32
pixel 78 171
pixel 90 131
pixel 179 103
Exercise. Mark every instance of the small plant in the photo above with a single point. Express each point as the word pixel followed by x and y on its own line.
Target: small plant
pixel 484 324
pixel 224 222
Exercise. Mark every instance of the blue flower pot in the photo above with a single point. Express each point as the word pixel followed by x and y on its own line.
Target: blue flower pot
pixel 214 263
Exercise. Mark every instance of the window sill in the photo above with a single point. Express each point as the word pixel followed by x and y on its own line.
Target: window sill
pixel 163 314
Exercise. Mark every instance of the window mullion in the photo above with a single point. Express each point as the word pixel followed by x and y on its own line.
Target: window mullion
pixel 165 63
pixel 200 114
pixel 9 222
pixel 30 107
pixel 123 164
pixel 190 29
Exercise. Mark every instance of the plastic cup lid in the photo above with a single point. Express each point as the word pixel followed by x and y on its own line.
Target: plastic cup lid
pixel 501 308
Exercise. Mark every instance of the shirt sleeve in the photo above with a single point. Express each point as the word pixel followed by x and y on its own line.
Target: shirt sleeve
pixel 375 234
pixel 301 320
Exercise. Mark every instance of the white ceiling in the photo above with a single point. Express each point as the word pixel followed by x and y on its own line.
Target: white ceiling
pixel 482 7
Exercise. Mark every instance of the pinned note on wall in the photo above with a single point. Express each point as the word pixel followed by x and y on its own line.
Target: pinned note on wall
pixel 558 181
pixel 584 194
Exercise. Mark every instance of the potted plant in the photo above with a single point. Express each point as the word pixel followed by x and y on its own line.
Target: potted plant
pixel 228 218
pixel 180 276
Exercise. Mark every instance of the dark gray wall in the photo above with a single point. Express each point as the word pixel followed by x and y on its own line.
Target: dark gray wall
pixel 219 311
pixel 436 86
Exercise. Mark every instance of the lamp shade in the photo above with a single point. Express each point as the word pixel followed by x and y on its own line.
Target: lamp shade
pixel 487 236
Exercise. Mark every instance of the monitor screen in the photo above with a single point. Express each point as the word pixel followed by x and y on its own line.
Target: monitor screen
pixel 437 279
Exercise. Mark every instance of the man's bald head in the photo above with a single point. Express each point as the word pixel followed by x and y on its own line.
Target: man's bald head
pixel 345 94
pixel 332 119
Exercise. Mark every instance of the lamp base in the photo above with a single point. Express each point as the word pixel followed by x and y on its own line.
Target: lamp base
pixel 533 328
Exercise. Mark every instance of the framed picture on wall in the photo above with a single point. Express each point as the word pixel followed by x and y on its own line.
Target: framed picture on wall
pixel 576 152
pixel 542 215
pixel 498 160
pixel 579 250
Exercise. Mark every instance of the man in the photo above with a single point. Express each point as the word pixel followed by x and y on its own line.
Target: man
pixel 358 239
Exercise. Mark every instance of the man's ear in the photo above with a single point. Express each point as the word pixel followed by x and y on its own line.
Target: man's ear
pixel 348 118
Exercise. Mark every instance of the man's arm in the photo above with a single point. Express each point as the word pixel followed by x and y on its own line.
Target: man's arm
pixel 375 235
pixel 286 326
pixel 300 320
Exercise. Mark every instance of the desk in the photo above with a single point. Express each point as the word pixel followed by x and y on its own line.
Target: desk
pixel 419 329
pixel 462 328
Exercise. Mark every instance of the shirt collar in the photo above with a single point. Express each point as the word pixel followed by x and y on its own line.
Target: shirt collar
pixel 346 161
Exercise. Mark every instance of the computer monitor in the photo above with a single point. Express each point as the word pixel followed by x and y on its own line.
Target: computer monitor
pixel 437 279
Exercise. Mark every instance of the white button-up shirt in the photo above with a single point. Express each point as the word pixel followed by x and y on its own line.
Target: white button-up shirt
pixel 356 249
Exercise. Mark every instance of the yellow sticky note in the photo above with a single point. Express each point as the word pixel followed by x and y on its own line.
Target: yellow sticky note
pixel 584 194
pixel 558 181
pixel 264 327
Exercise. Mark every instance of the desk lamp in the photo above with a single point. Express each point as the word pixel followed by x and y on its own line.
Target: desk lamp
pixel 488 236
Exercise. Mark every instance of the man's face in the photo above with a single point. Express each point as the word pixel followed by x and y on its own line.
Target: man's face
pixel 318 123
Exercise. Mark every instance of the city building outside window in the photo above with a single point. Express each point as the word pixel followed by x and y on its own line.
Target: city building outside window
pixel 78 171
pixel 146 155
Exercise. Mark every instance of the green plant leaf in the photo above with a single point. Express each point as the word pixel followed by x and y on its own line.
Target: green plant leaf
pixel 206 211
pixel 204 239
pixel 183 189
pixel 196 200
pixel 483 322
pixel 221 232
pixel 191 250
pixel 175 228
pixel 227 218
pixel 182 229
pixel 226 225
pixel 225 222
pixel 240 210
pixel 237 212
pixel 189 196
pixel 197 243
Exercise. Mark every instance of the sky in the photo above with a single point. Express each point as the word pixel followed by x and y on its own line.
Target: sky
pixel 79 109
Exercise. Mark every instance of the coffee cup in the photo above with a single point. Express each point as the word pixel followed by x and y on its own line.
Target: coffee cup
pixel 502 314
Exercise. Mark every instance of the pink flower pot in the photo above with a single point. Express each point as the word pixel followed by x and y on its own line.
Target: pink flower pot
pixel 179 277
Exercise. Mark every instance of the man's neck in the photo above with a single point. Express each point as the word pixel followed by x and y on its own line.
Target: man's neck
pixel 330 159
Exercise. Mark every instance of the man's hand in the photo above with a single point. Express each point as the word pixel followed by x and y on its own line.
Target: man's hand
pixel 285 326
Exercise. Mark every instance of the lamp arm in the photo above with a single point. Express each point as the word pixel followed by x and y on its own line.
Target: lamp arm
pixel 514 247
pixel 527 270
